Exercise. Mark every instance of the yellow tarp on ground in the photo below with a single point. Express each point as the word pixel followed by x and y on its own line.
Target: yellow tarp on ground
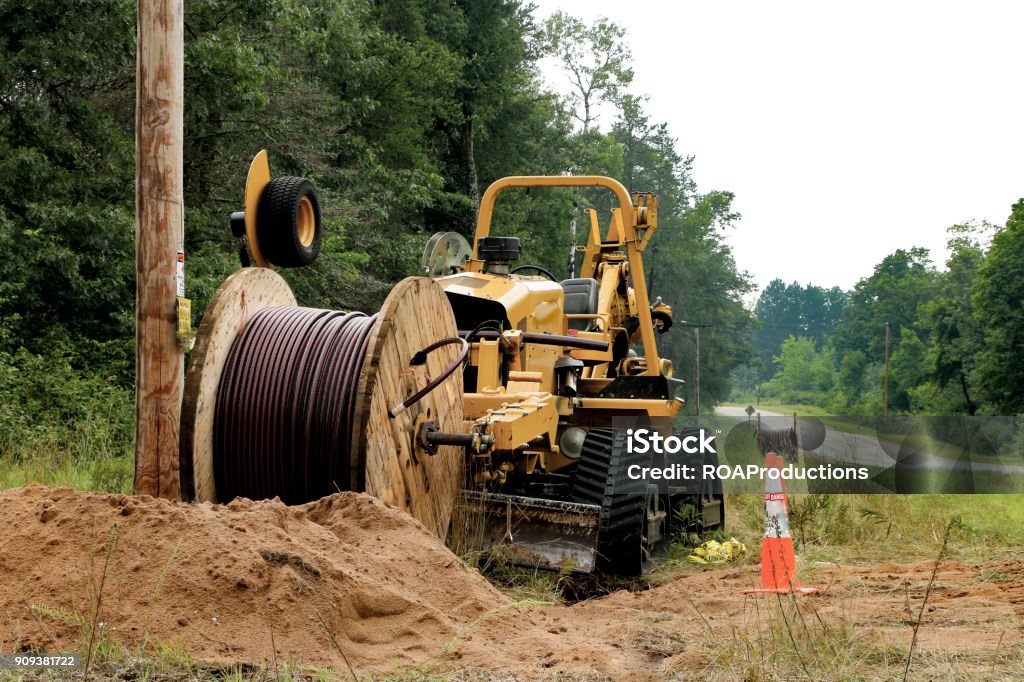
pixel 714 552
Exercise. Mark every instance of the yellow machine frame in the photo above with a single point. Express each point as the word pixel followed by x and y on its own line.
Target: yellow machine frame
pixel 525 415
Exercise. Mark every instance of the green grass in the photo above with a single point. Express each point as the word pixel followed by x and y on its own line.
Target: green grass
pixel 791 639
pixel 54 468
pixel 787 637
pixel 866 529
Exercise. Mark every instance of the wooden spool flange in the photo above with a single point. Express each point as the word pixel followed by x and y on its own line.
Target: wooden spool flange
pixel 415 314
pixel 385 461
pixel 244 293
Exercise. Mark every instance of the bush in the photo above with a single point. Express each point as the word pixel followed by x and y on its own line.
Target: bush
pixel 63 426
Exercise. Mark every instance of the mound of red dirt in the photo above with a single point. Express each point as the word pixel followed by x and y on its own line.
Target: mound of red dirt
pixel 237 581
pixel 346 577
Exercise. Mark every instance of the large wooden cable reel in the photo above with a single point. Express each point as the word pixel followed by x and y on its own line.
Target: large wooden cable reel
pixel 383 458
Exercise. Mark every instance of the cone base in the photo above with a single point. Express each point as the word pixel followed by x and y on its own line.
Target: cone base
pixel 783 590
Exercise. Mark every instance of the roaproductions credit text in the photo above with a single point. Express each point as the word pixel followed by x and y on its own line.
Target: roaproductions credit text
pixel 644 441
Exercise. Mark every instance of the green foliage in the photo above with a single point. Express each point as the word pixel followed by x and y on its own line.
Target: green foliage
pixel 596 61
pixel 907 370
pixel 786 310
pixel 688 262
pixel 956 338
pixel 951 321
pixel 902 282
pixel 401 111
pixel 804 372
pixel 854 379
pixel 62 425
pixel 998 296
pixel 45 399
pixel 820 518
pixel 66 180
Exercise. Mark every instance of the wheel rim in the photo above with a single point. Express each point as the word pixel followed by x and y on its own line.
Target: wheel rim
pixel 306 222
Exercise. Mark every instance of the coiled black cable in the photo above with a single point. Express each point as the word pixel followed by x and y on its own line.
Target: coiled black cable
pixel 285 405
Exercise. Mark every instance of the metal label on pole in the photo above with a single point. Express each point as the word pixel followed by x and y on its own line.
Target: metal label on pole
pixel 181 274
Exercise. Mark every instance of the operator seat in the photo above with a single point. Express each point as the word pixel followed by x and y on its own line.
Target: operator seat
pixel 580 299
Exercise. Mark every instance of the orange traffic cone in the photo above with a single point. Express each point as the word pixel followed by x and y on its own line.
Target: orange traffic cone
pixel 778 561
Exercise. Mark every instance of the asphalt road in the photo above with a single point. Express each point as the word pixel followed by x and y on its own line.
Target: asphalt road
pixel 856 449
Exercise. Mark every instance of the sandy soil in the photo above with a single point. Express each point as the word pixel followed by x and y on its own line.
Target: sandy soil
pixel 349 581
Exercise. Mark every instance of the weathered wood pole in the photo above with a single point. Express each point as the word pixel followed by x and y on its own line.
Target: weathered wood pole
pixel 159 235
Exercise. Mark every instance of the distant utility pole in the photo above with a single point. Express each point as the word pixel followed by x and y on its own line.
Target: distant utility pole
pixel 885 398
pixel 696 373
pixel 159 239
pixel 571 269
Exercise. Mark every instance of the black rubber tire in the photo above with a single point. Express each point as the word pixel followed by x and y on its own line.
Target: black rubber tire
pixel 283 236
pixel 601 479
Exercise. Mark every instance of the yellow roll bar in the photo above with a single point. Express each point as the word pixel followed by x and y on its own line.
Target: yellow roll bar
pixel 630 238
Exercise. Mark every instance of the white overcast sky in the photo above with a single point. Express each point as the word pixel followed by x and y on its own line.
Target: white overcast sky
pixel 846 130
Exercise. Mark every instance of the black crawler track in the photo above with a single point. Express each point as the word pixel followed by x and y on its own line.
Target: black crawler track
pixel 601 479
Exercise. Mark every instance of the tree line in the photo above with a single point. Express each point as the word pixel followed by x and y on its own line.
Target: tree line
pixel 955 336
pixel 401 111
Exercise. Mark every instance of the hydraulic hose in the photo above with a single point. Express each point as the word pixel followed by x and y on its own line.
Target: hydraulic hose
pixel 544 339
pixel 419 359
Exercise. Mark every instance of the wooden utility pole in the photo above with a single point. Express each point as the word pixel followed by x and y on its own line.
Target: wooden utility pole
pixel 159 237
pixel 885 390
pixel 697 326
pixel 696 331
